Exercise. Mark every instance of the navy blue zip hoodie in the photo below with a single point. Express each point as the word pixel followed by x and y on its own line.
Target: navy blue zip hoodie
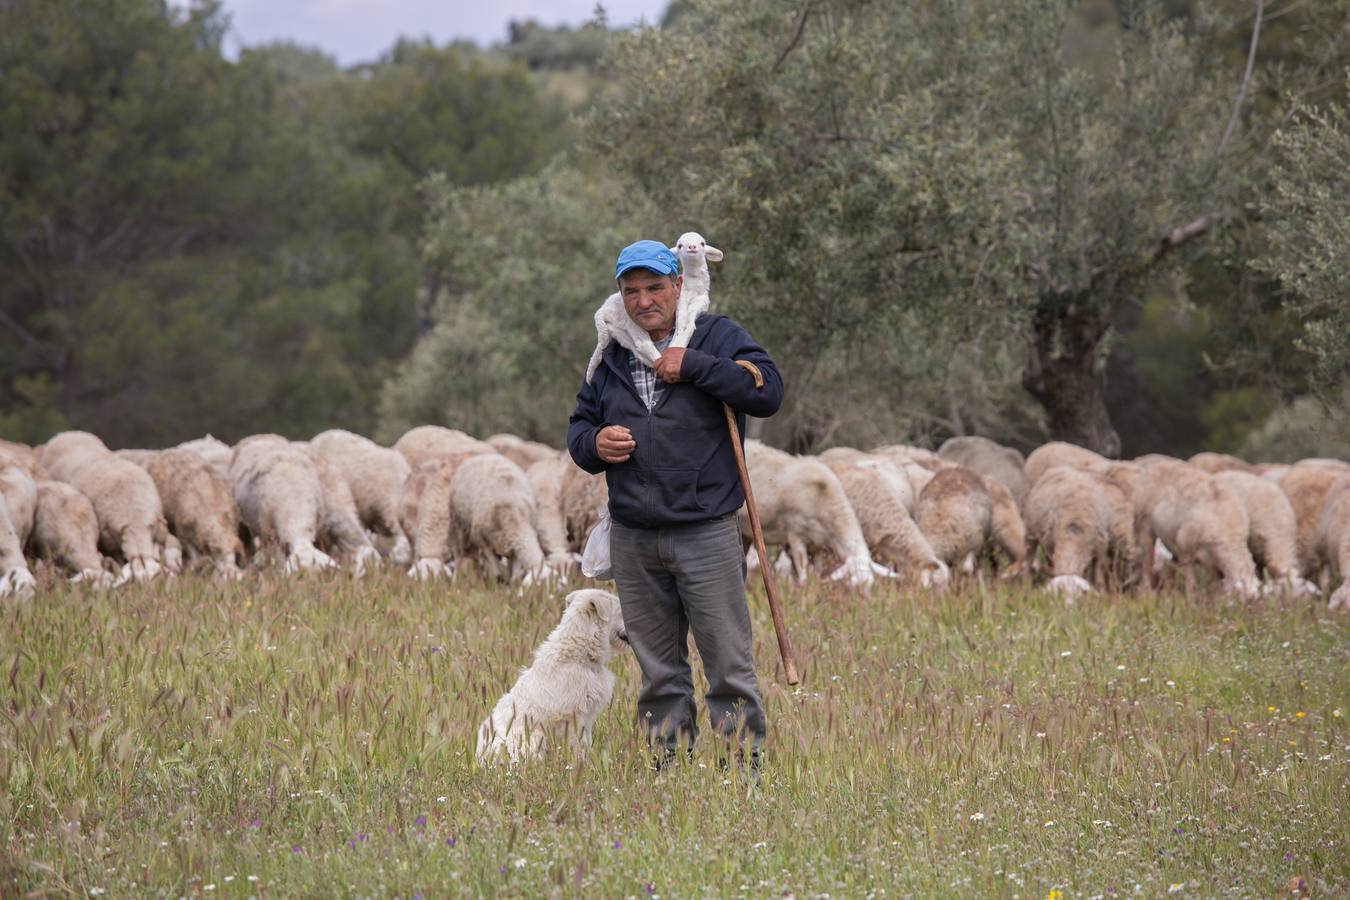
pixel 683 469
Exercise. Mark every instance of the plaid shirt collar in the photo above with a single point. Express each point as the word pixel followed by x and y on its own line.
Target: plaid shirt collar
pixel 649 387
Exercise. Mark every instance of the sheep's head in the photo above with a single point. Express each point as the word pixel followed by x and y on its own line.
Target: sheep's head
pixel 692 249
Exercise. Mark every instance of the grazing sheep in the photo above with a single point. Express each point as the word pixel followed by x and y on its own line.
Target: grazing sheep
pixel 375 475
pixel 427 443
pixel 65 452
pixel 582 496
pixel 993 461
pixel 280 498
pixel 546 478
pixel 1214 463
pixel 22 456
pixel 340 530
pixel 424 514
pixel 1198 519
pixel 1274 528
pixel 1307 487
pixel 18 497
pixel 1334 538
pixel 198 507
pixel 954 513
pixel 802 505
pixel 216 452
pixel 65 531
pixel 878 490
pixel 19 492
pixel 1069 516
pixel 520 451
pixel 492 517
pixel 1057 453
pixel 130 516
pixel 1271 471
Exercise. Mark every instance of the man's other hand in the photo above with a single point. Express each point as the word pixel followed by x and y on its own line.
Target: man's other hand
pixel 614 444
pixel 668 365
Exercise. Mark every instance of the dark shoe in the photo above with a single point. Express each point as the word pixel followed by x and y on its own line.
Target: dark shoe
pixel 670 757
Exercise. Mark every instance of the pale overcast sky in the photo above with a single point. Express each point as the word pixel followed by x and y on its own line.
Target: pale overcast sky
pixel 360 30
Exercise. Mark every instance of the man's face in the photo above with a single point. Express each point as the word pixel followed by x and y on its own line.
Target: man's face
pixel 651 300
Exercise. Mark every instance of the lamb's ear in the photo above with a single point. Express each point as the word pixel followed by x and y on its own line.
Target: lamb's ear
pixel 675 249
pixel 712 253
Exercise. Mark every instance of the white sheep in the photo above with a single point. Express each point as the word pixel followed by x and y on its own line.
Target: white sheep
pixel 375 475
pixel 1069 517
pixel 280 498
pixel 546 479
pixel 424 514
pixel 694 254
pixel 520 451
pixel 198 506
pixel 18 498
pixel 802 506
pixel 993 461
pixel 1334 538
pixel 65 531
pixel 612 322
pixel 130 516
pixel 881 496
pixel 428 443
pixel 492 517
pixel 1199 520
pixel 213 450
pixel 1273 537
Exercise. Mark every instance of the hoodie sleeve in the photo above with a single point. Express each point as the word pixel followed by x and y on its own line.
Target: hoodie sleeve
pixel 714 371
pixel 585 423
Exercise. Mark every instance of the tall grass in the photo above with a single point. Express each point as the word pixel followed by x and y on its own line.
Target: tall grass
pixel 315 736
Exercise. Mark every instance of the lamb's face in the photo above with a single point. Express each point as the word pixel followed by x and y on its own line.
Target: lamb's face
pixel 693 250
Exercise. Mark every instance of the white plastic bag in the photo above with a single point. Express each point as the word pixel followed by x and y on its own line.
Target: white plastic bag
pixel 595 555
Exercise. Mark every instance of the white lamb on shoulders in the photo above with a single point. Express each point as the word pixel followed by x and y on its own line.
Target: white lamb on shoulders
pixel 612 321
pixel 694 254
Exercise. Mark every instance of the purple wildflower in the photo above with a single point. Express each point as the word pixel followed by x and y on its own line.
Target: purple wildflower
pixel 256 823
pixel 450 841
pixel 435 649
pixel 651 888
pixel 296 849
pixel 421 822
pixel 617 843
pixel 1288 856
pixel 389 829
pixel 501 870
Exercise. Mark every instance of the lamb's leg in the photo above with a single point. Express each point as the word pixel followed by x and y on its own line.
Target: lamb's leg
pixel 1144 538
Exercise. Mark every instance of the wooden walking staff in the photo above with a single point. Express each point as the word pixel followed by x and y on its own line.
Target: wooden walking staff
pixel 784 650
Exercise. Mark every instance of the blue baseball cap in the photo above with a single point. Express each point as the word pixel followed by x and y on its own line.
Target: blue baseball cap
pixel 652 255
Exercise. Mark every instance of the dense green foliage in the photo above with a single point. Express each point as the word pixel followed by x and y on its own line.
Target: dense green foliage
pixel 315 737
pixel 191 244
pixel 941 218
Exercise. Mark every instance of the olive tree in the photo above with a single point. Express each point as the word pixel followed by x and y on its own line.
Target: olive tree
pixel 953 182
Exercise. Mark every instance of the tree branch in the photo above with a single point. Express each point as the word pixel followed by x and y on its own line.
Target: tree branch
pixel 1246 78
pixel 796 36
pixel 1179 236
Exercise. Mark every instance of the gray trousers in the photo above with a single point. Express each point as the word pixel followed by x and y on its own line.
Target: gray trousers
pixel 678 578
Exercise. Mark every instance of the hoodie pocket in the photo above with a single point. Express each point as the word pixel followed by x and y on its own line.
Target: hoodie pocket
pixel 677 491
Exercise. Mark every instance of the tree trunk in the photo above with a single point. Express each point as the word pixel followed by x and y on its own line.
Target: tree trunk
pixel 1061 373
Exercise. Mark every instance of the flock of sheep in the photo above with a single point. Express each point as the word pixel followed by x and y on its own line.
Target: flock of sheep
pixel 521 510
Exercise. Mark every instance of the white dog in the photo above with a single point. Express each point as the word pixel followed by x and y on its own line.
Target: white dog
pixel 567 686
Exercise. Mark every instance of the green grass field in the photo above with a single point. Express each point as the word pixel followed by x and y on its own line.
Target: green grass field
pixel 315 737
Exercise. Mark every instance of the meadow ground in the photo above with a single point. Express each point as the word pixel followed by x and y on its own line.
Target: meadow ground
pixel 315 737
